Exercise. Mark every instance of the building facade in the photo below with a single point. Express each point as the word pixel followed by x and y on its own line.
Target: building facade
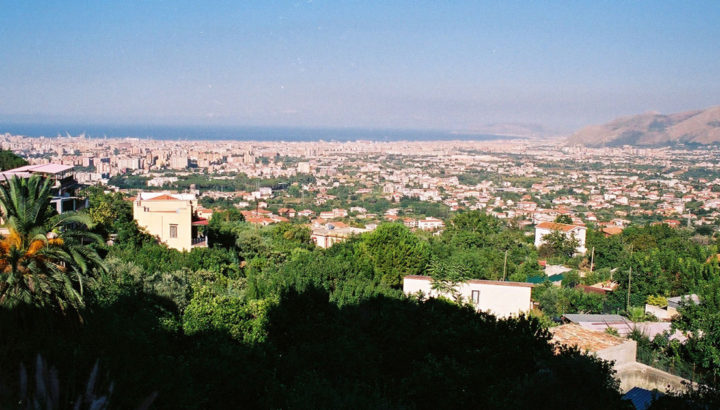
pixel 545 228
pixel 171 218
pixel 325 236
pixel 63 188
pixel 502 299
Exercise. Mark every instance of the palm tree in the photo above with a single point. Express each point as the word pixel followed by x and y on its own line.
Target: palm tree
pixel 45 259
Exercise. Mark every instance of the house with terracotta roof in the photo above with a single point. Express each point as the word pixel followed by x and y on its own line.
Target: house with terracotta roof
pixel 262 217
pixel 612 230
pixel 325 236
pixel 503 299
pixel 604 345
pixel 545 228
pixel 622 353
pixel 306 213
pixel 410 222
pixel 289 212
pixel 172 218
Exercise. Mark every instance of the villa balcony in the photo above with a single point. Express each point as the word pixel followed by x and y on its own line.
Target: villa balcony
pixel 200 242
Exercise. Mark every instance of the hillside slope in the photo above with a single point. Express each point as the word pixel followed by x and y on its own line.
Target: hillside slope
pixel 700 127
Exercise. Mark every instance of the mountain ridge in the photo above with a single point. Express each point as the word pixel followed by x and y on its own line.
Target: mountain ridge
pixel 654 129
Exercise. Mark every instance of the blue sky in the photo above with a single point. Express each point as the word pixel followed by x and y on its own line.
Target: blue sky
pixel 386 64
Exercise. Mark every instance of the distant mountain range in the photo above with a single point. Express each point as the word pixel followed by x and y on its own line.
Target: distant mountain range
pixel 653 129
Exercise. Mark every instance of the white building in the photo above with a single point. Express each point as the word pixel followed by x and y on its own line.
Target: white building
pixel 303 167
pixel 503 299
pixel 430 224
pixel 545 228
pixel 328 235
pixel 179 162
pixel 131 163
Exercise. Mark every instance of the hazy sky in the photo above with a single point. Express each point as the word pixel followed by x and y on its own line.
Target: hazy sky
pixel 434 64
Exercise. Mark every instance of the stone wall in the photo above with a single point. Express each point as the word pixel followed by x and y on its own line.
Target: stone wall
pixel 621 354
pixel 640 375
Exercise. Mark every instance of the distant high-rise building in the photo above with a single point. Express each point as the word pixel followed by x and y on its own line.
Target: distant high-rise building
pixel 179 162
pixel 248 158
pixel 128 163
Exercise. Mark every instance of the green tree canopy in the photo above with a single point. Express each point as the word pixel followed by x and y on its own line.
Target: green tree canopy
pixel 394 252
pixel 10 160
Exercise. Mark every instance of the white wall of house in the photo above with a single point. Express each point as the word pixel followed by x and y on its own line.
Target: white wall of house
pixel 578 232
pixel 326 240
pixel 503 299
pixel 428 224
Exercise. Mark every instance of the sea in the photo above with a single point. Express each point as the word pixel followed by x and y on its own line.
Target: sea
pixel 223 133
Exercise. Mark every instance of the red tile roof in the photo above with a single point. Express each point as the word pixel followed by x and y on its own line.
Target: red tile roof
pixel 585 339
pixel 557 226
pixel 612 230
pixel 200 222
pixel 164 197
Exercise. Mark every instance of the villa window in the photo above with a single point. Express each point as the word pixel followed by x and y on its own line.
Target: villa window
pixel 173 230
pixel 475 297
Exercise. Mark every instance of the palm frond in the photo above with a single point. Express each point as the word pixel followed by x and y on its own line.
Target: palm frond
pixel 40 268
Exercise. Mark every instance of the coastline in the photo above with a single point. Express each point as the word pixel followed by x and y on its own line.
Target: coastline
pixel 240 133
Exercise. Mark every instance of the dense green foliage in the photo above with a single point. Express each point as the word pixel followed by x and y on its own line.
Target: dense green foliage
pixel 702 321
pixel 383 352
pixel 558 244
pixel 10 160
pixel 656 261
pixel 264 319
pixel 556 301
pixel 479 243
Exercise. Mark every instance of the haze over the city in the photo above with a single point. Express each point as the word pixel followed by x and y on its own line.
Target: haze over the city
pixel 413 65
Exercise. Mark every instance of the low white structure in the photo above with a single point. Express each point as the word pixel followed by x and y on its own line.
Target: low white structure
pixel 503 299
pixel 623 353
pixel 671 310
pixel 329 234
pixel 545 228
pixel 430 224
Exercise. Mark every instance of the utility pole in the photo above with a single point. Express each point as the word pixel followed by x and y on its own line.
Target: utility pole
pixel 628 295
pixel 629 279
pixel 505 265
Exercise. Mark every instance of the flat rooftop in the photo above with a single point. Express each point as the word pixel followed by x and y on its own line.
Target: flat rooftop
pixel 28 170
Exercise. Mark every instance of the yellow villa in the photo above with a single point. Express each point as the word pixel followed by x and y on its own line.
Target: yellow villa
pixel 172 218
